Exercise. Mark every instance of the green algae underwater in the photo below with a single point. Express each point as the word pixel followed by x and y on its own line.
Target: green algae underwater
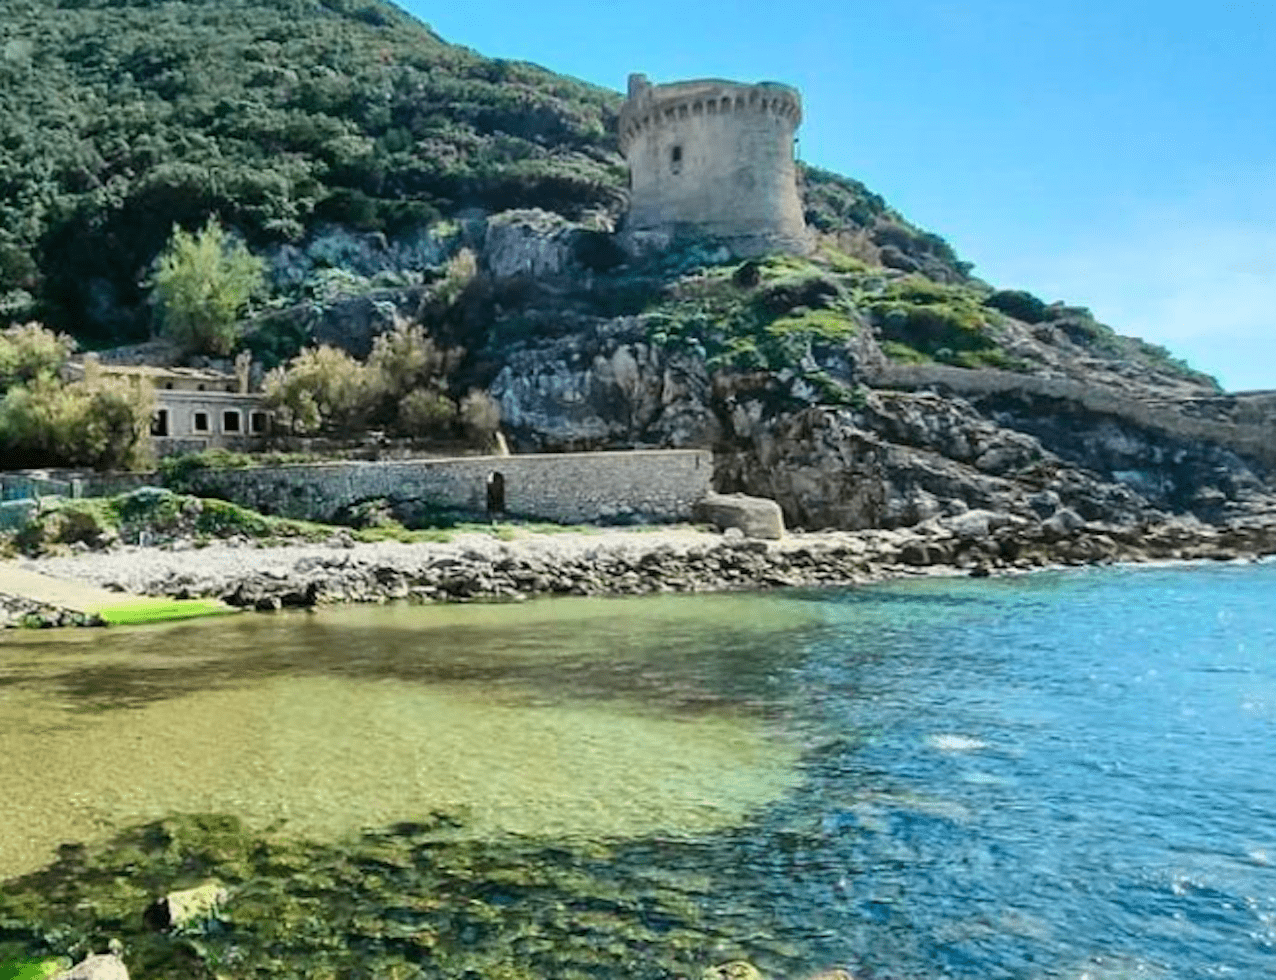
pixel 535 808
pixel 415 899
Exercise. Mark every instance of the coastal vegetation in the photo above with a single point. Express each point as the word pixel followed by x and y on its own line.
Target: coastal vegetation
pixel 755 315
pixel 402 388
pixel 169 515
pixel 120 120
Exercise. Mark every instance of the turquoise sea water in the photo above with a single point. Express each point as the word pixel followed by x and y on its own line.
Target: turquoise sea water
pixel 1069 774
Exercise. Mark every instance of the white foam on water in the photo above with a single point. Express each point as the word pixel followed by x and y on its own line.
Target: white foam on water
pixel 955 743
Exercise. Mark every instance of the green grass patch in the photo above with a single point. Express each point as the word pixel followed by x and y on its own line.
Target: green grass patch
pixel 830 325
pixel 764 314
pixel 939 321
pixel 903 354
pixel 159 610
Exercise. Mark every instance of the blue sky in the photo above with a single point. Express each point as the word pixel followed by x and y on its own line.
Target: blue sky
pixel 1118 155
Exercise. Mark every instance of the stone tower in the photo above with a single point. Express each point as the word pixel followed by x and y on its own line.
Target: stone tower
pixel 714 159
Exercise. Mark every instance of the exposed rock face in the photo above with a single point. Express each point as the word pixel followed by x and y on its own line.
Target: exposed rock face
pixel 359 253
pixel 528 243
pixel 606 386
pixel 840 435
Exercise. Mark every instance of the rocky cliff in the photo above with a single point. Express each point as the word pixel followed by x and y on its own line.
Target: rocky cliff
pixel 855 394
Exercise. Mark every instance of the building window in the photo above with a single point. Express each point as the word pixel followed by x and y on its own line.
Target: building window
pixel 200 387
pixel 159 424
pixel 230 421
pixel 199 422
pixel 168 385
pixel 258 423
pixel 675 159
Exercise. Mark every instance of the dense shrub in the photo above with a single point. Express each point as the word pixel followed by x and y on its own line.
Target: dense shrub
pixel 403 388
pixel 127 116
pixel 30 351
pixel 323 389
pixel 1019 304
pixel 102 423
pixel 935 320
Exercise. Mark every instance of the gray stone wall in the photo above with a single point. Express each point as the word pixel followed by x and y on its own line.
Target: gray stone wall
pixel 656 485
pixel 715 159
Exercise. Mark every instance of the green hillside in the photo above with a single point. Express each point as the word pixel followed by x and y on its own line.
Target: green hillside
pixel 121 117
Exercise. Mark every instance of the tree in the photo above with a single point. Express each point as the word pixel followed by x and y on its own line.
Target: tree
pixel 100 422
pixel 322 389
pixel 31 351
pixel 203 282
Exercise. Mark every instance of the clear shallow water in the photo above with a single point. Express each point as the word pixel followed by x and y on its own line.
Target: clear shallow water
pixel 1065 775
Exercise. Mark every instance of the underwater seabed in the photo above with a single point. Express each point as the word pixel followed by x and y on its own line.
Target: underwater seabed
pixel 1063 776
pixel 510 755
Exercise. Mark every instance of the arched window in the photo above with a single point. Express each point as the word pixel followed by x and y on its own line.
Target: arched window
pixel 675 159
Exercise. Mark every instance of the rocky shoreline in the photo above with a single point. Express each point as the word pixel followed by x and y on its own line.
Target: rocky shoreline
pixel 477 567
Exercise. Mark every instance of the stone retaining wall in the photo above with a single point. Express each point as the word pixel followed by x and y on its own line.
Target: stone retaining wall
pixel 652 485
pixel 649 485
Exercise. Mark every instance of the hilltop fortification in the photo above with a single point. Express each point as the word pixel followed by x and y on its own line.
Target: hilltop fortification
pixel 714 159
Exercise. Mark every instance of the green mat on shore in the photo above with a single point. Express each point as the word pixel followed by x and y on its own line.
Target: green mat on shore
pixel 157 610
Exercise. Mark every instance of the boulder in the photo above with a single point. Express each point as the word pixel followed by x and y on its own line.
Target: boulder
pixel 755 517
pixel 1063 524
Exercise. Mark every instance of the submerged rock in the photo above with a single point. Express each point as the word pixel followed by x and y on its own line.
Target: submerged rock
pixel 181 910
pixel 735 970
pixel 98 966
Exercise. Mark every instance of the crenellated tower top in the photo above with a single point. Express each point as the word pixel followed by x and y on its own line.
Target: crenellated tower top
pixel 714 159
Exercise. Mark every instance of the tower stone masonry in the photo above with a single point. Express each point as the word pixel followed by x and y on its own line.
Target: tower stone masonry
pixel 713 159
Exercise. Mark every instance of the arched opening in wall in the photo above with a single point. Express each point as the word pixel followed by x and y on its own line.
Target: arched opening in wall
pixel 495 493
pixel 675 159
